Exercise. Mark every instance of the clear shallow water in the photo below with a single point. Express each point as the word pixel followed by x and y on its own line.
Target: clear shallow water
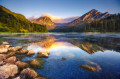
pixel 101 51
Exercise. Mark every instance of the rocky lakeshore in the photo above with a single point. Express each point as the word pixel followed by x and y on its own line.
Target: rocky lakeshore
pixel 11 66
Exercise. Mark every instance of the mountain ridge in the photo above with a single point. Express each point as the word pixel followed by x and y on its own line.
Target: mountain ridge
pixel 88 17
pixel 109 24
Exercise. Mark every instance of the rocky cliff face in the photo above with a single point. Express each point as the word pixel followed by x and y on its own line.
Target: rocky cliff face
pixel 92 15
pixel 45 21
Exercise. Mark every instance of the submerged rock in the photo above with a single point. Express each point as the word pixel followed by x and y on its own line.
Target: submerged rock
pixel 11 60
pixel 87 67
pixel 28 74
pixel 9 63
pixel 21 64
pixel 98 68
pixel 63 58
pixel 8 70
pixel 43 54
pixel 36 63
pixel 30 52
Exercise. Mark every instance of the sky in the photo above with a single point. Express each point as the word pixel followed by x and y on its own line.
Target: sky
pixel 60 10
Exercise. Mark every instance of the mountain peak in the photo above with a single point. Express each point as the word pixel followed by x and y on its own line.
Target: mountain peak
pixel 93 10
pixel 45 20
pixel 90 16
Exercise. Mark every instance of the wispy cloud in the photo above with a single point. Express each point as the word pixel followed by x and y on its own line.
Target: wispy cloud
pixel 52 17
pixel 56 19
pixel 32 18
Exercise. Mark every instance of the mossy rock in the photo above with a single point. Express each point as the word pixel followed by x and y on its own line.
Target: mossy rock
pixel 36 63
pixel 20 56
pixel 63 58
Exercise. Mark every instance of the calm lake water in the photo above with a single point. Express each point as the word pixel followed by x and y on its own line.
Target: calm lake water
pixel 101 51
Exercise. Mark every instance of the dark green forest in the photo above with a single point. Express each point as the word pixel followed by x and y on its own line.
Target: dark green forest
pixel 14 22
pixel 109 24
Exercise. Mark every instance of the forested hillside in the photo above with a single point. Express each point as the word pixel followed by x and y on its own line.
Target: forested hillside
pixel 110 24
pixel 14 22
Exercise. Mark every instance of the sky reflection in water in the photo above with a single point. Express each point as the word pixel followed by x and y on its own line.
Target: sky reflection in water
pixel 101 51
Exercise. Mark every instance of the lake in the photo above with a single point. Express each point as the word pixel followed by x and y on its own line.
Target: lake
pixel 68 51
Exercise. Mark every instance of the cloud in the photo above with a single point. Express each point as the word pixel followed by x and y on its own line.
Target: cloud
pixel 65 20
pixel 69 19
pixel 32 18
pixel 56 19
pixel 52 17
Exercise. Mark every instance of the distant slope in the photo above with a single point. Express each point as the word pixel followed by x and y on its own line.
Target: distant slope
pixel 14 22
pixel 60 25
pixel 45 21
pixel 89 17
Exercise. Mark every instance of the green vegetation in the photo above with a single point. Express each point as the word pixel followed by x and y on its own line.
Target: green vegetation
pixel 13 22
pixel 36 63
pixel 110 24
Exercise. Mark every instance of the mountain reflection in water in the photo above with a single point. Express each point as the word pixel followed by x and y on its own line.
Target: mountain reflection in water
pixel 101 51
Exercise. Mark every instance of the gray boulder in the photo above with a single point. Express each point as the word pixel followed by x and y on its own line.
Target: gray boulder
pixel 8 70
